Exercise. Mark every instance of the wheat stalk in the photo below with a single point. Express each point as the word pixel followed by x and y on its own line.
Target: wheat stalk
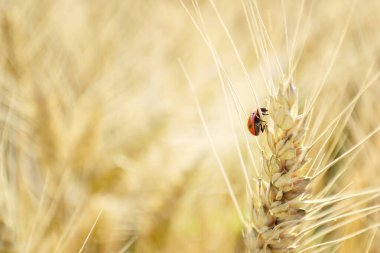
pixel 282 212
pixel 278 209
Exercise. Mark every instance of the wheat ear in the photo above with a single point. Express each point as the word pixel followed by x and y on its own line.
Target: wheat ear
pixel 277 210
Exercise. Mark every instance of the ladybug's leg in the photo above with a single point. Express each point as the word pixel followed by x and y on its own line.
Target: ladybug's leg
pixel 263 126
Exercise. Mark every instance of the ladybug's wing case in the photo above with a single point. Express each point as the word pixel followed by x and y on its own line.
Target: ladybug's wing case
pixel 252 124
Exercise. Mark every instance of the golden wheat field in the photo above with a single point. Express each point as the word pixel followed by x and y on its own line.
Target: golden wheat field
pixel 124 126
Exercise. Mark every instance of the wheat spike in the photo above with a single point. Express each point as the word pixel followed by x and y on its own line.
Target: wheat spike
pixel 278 210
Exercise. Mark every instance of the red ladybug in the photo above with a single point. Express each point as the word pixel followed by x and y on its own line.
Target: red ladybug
pixel 256 123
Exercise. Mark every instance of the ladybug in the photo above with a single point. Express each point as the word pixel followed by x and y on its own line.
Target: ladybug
pixel 256 123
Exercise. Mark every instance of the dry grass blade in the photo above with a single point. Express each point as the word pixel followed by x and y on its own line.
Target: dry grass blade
pixel 90 232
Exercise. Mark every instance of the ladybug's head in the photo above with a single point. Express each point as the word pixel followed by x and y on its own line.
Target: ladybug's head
pixel 264 111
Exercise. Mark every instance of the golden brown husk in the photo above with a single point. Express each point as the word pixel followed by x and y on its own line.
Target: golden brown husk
pixel 279 209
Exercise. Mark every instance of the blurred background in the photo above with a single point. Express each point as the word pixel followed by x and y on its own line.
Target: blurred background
pixel 102 147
